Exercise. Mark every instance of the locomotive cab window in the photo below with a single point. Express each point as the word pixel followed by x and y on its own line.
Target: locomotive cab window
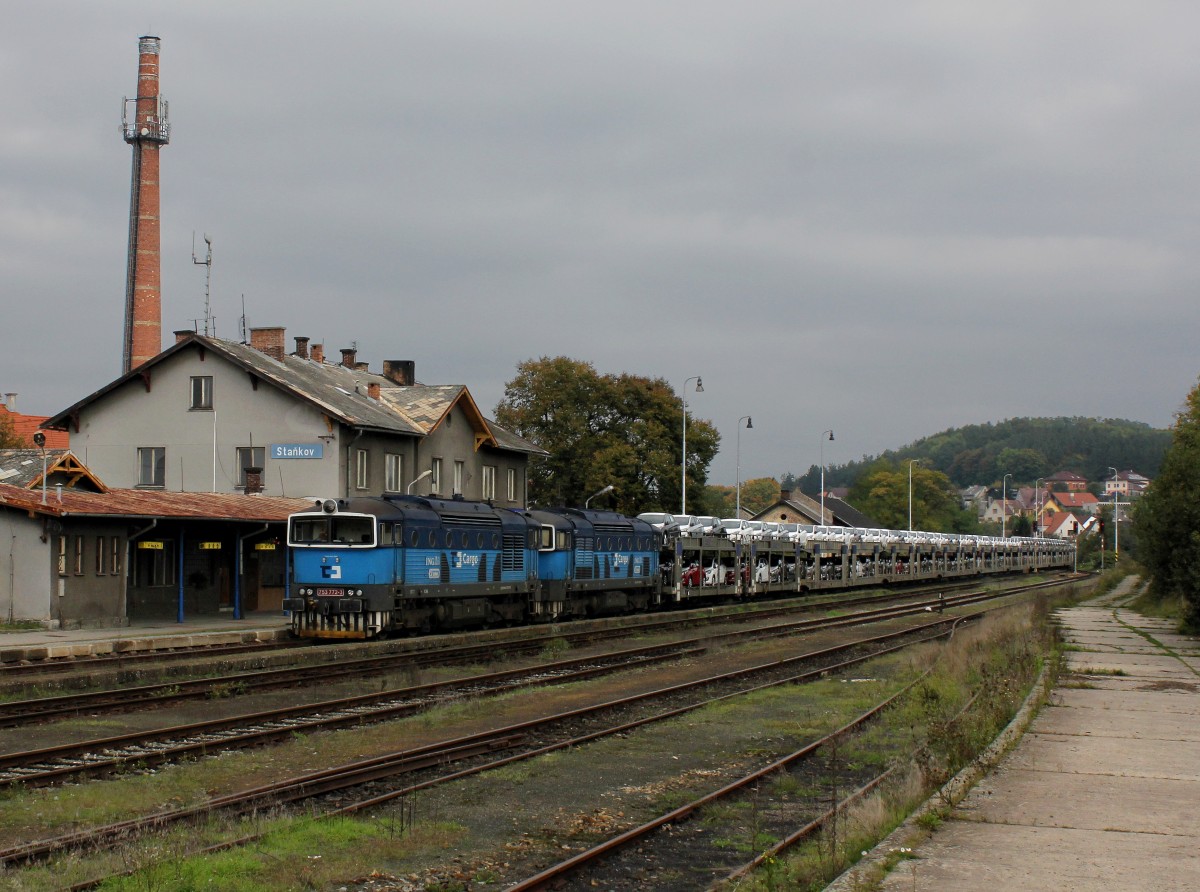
pixel 547 539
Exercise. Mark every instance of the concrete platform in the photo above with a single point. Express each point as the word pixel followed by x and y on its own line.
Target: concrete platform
pixel 37 645
pixel 1101 793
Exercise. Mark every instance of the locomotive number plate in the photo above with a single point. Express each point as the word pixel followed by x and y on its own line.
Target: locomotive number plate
pixel 330 592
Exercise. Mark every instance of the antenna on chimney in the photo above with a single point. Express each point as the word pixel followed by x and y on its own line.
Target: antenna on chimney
pixel 244 341
pixel 207 263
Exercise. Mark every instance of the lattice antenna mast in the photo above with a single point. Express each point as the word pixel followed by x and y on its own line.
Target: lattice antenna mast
pixel 244 341
pixel 209 322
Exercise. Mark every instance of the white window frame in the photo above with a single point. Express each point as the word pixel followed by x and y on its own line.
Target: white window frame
pixel 361 468
pixel 241 453
pixel 512 484
pixel 393 472
pixel 489 482
pixel 152 459
pixel 202 392
pixel 435 478
pixel 460 468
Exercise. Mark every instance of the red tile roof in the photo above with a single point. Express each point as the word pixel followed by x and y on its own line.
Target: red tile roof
pixel 153 503
pixel 25 426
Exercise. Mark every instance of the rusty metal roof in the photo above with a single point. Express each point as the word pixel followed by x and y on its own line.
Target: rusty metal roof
pixel 152 504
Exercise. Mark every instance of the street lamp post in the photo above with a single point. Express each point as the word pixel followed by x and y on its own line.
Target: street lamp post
pixel 587 502
pixel 1004 506
pixel 911 462
pixel 749 426
pixel 683 458
pixel 1037 507
pixel 418 479
pixel 1116 518
pixel 823 433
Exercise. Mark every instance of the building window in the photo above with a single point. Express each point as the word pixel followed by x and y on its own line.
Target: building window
pixel 152 466
pixel 202 392
pixel 250 457
pixel 360 468
pixel 79 555
pixel 62 555
pixel 489 482
pixel 100 555
pixel 512 484
pixel 114 564
pixel 459 468
pixel 393 472
pixel 435 479
pixel 154 563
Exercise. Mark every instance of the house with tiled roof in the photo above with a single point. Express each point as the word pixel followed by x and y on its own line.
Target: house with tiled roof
pixel 1061 525
pixel 1126 483
pixel 46 468
pixel 25 426
pixel 794 506
pixel 211 415
pixel 1079 503
pixel 1067 480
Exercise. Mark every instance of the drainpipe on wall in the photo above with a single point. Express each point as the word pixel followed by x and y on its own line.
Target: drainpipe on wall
pixel 350 459
pixel 128 556
pixel 180 572
pixel 237 576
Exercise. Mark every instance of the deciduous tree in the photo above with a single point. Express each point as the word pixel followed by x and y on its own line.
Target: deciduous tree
pixel 600 430
pixel 1167 518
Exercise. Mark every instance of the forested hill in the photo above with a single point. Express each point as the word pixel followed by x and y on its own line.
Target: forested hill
pixel 1027 448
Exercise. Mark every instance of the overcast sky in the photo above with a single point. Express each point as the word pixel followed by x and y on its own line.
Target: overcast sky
pixel 881 218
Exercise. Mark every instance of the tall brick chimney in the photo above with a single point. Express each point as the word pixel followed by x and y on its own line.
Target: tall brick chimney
pixel 147 133
pixel 348 354
pixel 302 348
pixel 318 353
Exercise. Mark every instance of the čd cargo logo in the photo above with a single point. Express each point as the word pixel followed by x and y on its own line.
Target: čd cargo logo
pixel 331 572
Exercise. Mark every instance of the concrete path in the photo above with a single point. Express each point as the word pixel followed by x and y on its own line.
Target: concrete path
pixel 1103 791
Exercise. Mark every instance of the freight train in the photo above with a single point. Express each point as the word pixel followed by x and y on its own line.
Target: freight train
pixel 366 567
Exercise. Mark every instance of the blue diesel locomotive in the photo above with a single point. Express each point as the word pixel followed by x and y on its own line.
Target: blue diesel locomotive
pixel 379 565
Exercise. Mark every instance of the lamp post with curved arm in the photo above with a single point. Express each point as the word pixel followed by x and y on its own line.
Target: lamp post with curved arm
pixel 911 462
pixel 683 456
pixel 749 426
pixel 823 433
pixel 1116 511
pixel 1004 506
pixel 1037 507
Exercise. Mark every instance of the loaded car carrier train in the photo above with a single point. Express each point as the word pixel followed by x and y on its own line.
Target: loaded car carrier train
pixel 375 566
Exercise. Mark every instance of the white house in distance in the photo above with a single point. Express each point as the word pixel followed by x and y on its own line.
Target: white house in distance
pixel 210 415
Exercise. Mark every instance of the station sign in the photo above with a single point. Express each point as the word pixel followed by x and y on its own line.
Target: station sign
pixel 210 546
pixel 150 545
pixel 297 450
pixel 264 546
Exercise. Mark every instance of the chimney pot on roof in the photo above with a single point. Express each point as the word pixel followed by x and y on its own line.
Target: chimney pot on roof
pixel 348 354
pixel 10 400
pixel 361 366
pixel 318 352
pixel 183 334
pixel 268 340
pixel 785 495
pixel 373 389
pixel 302 348
pixel 400 371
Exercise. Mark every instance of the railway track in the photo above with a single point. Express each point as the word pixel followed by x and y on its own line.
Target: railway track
pixel 148 748
pixel 22 712
pixel 462 756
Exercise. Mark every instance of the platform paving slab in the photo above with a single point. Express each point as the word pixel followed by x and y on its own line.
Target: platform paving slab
pixel 1101 793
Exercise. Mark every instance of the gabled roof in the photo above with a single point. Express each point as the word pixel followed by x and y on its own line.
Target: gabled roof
pixel 23 467
pixel 1059 521
pixel 150 504
pixel 1065 477
pixel 338 391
